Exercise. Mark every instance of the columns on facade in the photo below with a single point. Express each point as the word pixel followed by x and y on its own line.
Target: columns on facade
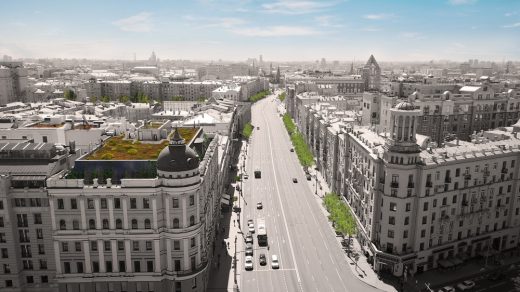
pixel 157 250
pixel 86 252
pixel 184 222
pixel 154 212
pixel 111 222
pixel 82 211
pixel 98 214
pixel 124 200
pixel 53 216
pixel 169 254
pixel 115 264
pixel 101 254
pixel 186 253
pixel 128 256
pixel 57 257
pixel 198 241
pixel 197 207
pixel 167 208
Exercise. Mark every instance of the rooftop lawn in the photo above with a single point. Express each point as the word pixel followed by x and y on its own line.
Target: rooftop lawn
pixel 46 125
pixel 152 125
pixel 118 148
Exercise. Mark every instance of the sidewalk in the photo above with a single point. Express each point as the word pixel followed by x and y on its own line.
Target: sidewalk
pixel 228 244
pixel 362 270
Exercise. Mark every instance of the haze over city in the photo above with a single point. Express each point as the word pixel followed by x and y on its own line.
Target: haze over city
pixel 281 30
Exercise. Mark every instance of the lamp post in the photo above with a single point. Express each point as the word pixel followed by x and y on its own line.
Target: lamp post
pixel 235 261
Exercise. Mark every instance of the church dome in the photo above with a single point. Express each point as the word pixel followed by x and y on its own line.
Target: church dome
pixel 405 106
pixel 176 157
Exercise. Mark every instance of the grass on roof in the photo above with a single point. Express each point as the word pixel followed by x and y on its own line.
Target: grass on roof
pixel 47 125
pixel 118 148
pixel 152 125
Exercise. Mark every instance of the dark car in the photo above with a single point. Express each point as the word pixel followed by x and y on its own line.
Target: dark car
pixel 292 149
pixel 294 180
pixel 308 176
pixel 263 259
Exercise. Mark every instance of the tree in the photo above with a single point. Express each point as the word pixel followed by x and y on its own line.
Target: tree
pixel 105 99
pixel 93 99
pixel 201 99
pixel 178 98
pixel 124 99
pixel 70 94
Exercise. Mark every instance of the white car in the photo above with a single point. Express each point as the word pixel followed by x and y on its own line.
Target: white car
pixel 252 228
pixel 274 262
pixel 249 263
pixel 466 285
pixel 447 289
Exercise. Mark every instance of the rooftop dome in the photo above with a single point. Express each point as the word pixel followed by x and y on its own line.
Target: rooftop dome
pixel 405 106
pixel 176 157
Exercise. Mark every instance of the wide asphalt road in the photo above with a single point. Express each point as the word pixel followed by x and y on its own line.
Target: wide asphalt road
pixel 298 231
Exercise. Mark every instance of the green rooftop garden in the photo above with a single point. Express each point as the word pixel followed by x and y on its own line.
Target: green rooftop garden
pixel 119 148
pixel 153 125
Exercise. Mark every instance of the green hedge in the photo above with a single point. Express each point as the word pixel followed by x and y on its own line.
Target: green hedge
pixel 259 96
pixel 248 130
pixel 300 147
pixel 340 214
pixel 281 96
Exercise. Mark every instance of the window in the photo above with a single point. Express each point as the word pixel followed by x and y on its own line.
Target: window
pixel 119 224
pixel 390 234
pixel 92 224
pixel 93 245
pixel 77 245
pixel 146 203
pixel 79 267
pixel 73 204
pixel 147 224
pixel 192 200
pixel 175 223
pixel 30 279
pixel 120 245
pixel 192 242
pixel 148 245
pixel 64 246
pixel 1 204
pixel 405 234
pixel 22 220
pixel 134 224
pixel 39 233
pixel 104 203
pixel 117 203
pixel 7 269
pixel 192 220
pixel 408 207
pixel 424 220
pixel 43 265
pixel 90 203
pixel 425 206
pixel 60 204
pixel 175 203
pixel 135 245
pixel 95 267
pixel 406 220
pixel 457 172
pixel 63 225
pixel 423 233
pixel 177 265
pixel 107 244
pixel 105 224
pixel 133 203
pixel 137 266
pixel 122 266
pixel 391 220
pixel 24 235
pixel 2 238
pixel 149 266
pixel 44 279
pixel 1 221
pixel 108 266
pixel 75 224
pixel 37 218
pixel 66 267
pixel 393 206
pixel 176 245
pixel 8 283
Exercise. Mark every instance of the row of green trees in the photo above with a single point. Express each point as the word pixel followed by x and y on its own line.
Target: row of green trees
pixel 259 96
pixel 340 214
pixel 300 147
pixel 247 131
pixel 281 96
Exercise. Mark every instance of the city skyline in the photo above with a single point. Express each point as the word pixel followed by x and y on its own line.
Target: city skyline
pixel 280 30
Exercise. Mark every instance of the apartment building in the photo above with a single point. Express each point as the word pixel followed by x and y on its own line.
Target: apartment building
pixel 143 232
pixel 13 82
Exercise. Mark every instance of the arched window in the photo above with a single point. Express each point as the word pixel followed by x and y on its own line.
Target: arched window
pixel 175 222
pixel 75 224
pixel 147 224
pixel 119 224
pixel 134 223
pixel 63 225
pixel 192 220
pixel 92 224
pixel 105 224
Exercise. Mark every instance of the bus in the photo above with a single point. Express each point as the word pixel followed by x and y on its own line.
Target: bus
pixel 258 174
pixel 261 232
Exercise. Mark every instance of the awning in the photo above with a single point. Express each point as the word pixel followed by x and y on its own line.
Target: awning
pixel 226 197
pixel 224 201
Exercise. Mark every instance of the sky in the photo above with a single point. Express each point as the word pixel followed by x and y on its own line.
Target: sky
pixel 280 30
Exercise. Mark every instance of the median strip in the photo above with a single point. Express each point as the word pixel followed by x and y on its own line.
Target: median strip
pixel 300 147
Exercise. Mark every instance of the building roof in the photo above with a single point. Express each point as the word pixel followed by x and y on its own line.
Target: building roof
pixel 176 157
pixel 470 88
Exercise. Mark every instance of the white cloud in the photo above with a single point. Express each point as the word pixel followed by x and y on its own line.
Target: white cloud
pixel 513 25
pixel 461 2
pixel 371 29
pixel 296 6
pixel 275 31
pixel 327 21
pixel 412 35
pixel 137 23
pixel 222 22
pixel 379 16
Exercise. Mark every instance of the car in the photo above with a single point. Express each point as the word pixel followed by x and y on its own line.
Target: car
pixel 294 180
pixel 246 176
pixel 447 289
pixel 249 238
pixel 292 149
pixel 251 228
pixel 249 249
pixel 308 176
pixel 466 285
pixel 258 128
pixel 249 263
pixel 274 262
pixel 259 205
pixel 263 259
pixel 238 187
pixel 249 222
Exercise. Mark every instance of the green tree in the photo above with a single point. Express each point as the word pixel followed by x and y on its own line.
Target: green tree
pixel 93 99
pixel 281 97
pixel 177 98
pixel 248 130
pixel 201 99
pixel 70 94
pixel 105 99
pixel 124 99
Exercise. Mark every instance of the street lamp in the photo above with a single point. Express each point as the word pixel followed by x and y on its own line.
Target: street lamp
pixel 316 184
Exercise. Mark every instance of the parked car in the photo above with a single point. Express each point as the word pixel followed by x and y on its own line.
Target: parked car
pixel 274 262
pixel 294 180
pixel 251 228
pixel 246 176
pixel 249 249
pixel 259 206
pixel 308 176
pixel 263 260
pixel 249 238
pixel 258 128
pixel 447 289
pixel 249 222
pixel 466 285
pixel 292 149
pixel 249 263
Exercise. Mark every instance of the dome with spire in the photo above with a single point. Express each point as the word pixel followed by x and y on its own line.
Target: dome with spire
pixel 176 157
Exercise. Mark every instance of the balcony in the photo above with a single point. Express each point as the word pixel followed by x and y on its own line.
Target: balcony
pixel 447 180
pixel 428 184
pixel 394 184
pixel 411 185
pixel 467 176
